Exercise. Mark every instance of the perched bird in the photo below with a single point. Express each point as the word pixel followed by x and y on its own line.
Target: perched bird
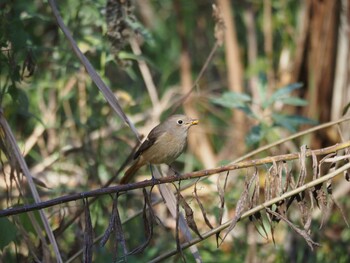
pixel 164 144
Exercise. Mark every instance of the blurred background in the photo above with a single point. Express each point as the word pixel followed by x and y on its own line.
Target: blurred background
pixel 270 69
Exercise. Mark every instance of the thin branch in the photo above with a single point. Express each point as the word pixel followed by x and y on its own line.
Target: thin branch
pixel 195 84
pixel 146 73
pixel 169 179
pixel 254 210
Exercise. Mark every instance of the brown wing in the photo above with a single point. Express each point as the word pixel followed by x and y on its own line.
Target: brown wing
pixel 151 139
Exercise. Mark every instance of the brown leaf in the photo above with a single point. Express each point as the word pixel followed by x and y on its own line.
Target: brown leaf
pixel 119 234
pixel 201 207
pixel 302 160
pixel 115 225
pixel 267 192
pixel 254 201
pixel 221 191
pixel 288 172
pixel 241 204
pixel 109 229
pixel 178 243
pixel 276 186
pixel 307 217
pixel 301 232
pixel 304 209
pixel 189 215
pixel 148 219
pixel 315 166
pixel 321 200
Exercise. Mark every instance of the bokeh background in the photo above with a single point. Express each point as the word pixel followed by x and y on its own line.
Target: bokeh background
pixel 270 69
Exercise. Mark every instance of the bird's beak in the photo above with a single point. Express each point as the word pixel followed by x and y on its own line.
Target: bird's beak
pixel 194 122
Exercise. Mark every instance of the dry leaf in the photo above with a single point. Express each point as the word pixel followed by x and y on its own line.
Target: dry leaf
pixel 301 232
pixel 201 207
pixel 148 219
pixel 189 215
pixel 241 205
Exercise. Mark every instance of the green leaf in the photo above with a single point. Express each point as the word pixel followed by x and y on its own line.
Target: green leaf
pixel 8 232
pixel 247 111
pixel 281 93
pixel 254 136
pixel 233 100
pixel 291 122
pixel 262 91
pixel 294 101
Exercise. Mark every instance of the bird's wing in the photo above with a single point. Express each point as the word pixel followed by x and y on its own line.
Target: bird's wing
pixel 151 139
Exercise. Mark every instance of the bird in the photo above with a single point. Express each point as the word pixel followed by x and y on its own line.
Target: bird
pixel 163 144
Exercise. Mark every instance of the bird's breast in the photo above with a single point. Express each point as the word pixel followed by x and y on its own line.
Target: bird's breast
pixel 166 148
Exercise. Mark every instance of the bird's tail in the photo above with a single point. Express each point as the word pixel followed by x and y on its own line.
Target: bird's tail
pixel 130 172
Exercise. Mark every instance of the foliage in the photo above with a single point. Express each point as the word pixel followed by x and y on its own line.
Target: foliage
pixel 269 114
pixel 73 142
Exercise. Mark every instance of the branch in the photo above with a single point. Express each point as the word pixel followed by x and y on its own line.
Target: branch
pixel 254 210
pixel 169 179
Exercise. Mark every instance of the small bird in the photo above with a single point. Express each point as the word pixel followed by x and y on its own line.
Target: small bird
pixel 164 144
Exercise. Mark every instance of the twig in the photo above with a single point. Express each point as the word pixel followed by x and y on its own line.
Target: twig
pixel 195 84
pixel 146 73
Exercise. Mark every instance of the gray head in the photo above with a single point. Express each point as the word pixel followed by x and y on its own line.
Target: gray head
pixel 179 123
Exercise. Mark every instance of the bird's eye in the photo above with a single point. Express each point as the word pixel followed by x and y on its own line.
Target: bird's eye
pixel 180 122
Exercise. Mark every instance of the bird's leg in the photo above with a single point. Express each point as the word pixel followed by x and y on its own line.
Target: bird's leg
pixel 153 178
